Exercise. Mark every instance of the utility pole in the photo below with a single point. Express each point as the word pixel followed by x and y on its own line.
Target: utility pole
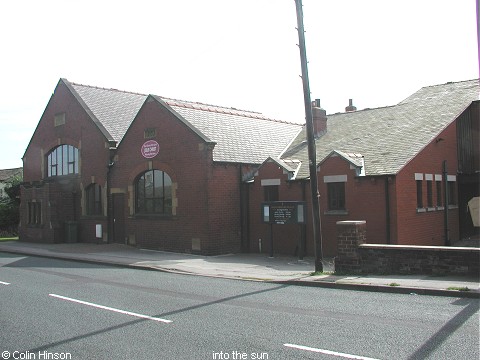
pixel 312 156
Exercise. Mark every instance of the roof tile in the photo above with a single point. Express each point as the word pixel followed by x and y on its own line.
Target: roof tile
pixel 240 135
pixel 389 137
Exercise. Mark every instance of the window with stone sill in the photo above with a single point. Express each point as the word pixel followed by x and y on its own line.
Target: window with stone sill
pixel 336 197
pixel 153 193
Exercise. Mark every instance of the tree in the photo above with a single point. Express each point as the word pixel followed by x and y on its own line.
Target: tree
pixel 9 206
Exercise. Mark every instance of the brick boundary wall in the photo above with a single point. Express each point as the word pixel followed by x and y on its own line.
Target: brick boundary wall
pixel 355 256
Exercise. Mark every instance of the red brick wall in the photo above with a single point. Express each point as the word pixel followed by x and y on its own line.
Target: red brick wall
pixel 285 237
pixel 224 209
pixel 208 197
pixel 426 228
pixel 79 131
pixel 356 255
pixel 364 200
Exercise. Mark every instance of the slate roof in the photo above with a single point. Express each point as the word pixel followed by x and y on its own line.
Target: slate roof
pixel 7 174
pixel 389 137
pixel 114 109
pixel 240 136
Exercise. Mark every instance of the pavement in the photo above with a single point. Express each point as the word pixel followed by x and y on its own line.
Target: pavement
pixel 252 267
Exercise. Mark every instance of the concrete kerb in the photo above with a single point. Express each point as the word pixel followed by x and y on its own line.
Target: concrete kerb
pixel 301 281
pixel 384 288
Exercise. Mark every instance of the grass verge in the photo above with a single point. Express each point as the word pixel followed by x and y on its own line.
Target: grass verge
pixel 317 273
pixel 458 288
pixel 9 238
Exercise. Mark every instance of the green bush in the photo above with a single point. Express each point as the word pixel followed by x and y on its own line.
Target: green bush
pixel 9 207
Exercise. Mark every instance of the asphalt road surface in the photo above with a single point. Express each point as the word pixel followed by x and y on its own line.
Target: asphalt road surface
pixel 53 309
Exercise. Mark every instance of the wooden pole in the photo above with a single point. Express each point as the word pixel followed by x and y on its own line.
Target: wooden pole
pixel 317 233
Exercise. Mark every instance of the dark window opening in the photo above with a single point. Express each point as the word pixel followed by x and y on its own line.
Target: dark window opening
pixel 34 213
pixel 93 194
pixel 419 194
pixel 439 193
pixel 149 133
pixel 429 194
pixel 451 193
pixel 336 195
pixel 271 193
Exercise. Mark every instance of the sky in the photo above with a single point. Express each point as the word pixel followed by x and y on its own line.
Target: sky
pixel 234 53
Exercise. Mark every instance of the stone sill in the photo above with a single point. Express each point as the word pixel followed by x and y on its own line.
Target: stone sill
pixel 435 208
pixel 415 247
pixel 336 212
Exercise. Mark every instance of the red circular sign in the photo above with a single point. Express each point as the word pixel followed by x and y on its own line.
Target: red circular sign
pixel 150 149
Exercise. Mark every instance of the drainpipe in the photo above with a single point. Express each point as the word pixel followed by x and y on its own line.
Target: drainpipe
pixel 240 182
pixel 303 235
pixel 387 210
pixel 247 230
pixel 445 188
pixel 110 225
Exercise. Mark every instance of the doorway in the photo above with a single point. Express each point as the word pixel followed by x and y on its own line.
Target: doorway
pixel 118 218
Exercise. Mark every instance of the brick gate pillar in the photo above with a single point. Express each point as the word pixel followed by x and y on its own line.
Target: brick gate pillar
pixel 350 234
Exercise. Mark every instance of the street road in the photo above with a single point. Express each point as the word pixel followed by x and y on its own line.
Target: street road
pixel 53 309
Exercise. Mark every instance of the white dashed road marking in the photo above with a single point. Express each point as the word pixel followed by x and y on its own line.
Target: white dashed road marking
pixel 110 309
pixel 328 352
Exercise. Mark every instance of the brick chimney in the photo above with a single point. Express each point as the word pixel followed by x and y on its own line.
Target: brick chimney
pixel 350 106
pixel 319 119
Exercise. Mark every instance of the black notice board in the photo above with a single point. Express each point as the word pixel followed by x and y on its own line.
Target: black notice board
pixel 284 212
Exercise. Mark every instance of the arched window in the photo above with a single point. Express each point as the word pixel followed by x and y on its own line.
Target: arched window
pixel 63 160
pixel 93 199
pixel 153 193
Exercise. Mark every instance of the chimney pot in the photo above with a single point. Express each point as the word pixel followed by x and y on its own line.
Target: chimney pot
pixel 319 118
pixel 350 106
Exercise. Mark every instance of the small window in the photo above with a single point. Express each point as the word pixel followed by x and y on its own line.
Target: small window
pixel 451 193
pixel 153 193
pixel 438 185
pixel 63 160
pixel 59 119
pixel 93 195
pixel 419 194
pixel 271 193
pixel 429 194
pixel 336 195
pixel 34 213
pixel 150 133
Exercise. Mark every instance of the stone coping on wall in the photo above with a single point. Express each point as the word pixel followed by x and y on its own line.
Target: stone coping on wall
pixel 351 222
pixel 418 247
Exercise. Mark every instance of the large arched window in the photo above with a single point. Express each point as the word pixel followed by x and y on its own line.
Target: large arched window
pixel 153 193
pixel 63 160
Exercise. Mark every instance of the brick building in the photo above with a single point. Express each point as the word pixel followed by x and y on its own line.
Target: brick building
pixel 109 165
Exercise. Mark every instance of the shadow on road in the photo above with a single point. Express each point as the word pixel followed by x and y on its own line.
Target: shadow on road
pixel 120 326
pixel 448 329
